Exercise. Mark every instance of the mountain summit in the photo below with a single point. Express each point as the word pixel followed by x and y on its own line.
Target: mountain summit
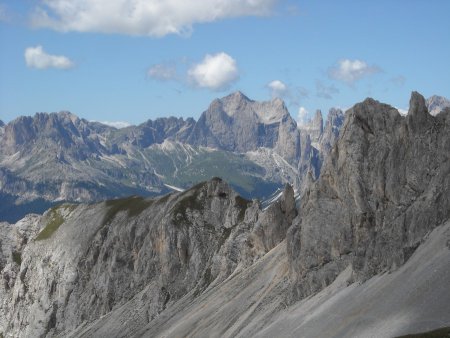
pixel 236 123
pixel 436 104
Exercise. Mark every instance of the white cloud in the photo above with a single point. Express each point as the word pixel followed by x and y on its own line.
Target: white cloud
pixel 350 71
pixel 115 124
pixel 278 89
pixel 162 72
pixel 324 91
pixel 216 72
pixel 302 117
pixel 36 57
pixel 142 17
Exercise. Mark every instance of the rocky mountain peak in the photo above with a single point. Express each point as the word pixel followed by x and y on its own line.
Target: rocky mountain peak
pixel 418 116
pixel 318 120
pixel 380 191
pixel 312 130
pixel 372 117
pixel 436 104
pixel 237 96
pixel 67 115
pixel 2 124
pixel 334 113
pixel 239 104
pixel 332 128
pixel 231 104
pixel 236 123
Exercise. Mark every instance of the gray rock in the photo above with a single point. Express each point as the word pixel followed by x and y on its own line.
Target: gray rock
pixel 270 228
pixel 384 186
pixel 314 128
pixel 436 104
pixel 317 141
pixel 154 132
pixel 330 135
pixel 236 123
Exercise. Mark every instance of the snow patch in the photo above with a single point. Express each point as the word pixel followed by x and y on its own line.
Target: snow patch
pixel 173 187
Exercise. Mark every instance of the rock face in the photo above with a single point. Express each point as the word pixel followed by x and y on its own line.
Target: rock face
pixel 157 131
pixel 317 140
pixel 90 259
pixel 330 135
pixel 436 104
pixel 385 185
pixel 236 123
pixel 314 128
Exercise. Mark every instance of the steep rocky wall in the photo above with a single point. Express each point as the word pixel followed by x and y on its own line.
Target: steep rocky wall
pixel 384 186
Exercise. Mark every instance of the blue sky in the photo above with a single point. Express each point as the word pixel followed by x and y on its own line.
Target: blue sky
pixel 117 60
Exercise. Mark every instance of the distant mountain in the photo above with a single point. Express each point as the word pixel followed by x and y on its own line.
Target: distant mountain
pixel 321 137
pixel 333 125
pixel 236 123
pixel 51 158
pixel 436 104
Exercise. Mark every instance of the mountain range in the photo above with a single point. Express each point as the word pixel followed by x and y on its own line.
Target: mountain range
pixel 256 146
pixel 366 252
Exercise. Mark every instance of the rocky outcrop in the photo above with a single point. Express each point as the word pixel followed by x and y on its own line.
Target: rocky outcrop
pixel 271 227
pixel 154 132
pixel 384 186
pixel 62 134
pixel 89 260
pixel 314 128
pixel 317 140
pixel 330 135
pixel 436 104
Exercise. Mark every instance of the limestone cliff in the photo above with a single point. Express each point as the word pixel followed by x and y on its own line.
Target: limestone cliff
pixel 384 186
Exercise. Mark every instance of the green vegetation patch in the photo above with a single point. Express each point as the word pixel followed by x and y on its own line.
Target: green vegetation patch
pixel 242 204
pixel 17 257
pixel 54 222
pixel 133 205
pixel 439 333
